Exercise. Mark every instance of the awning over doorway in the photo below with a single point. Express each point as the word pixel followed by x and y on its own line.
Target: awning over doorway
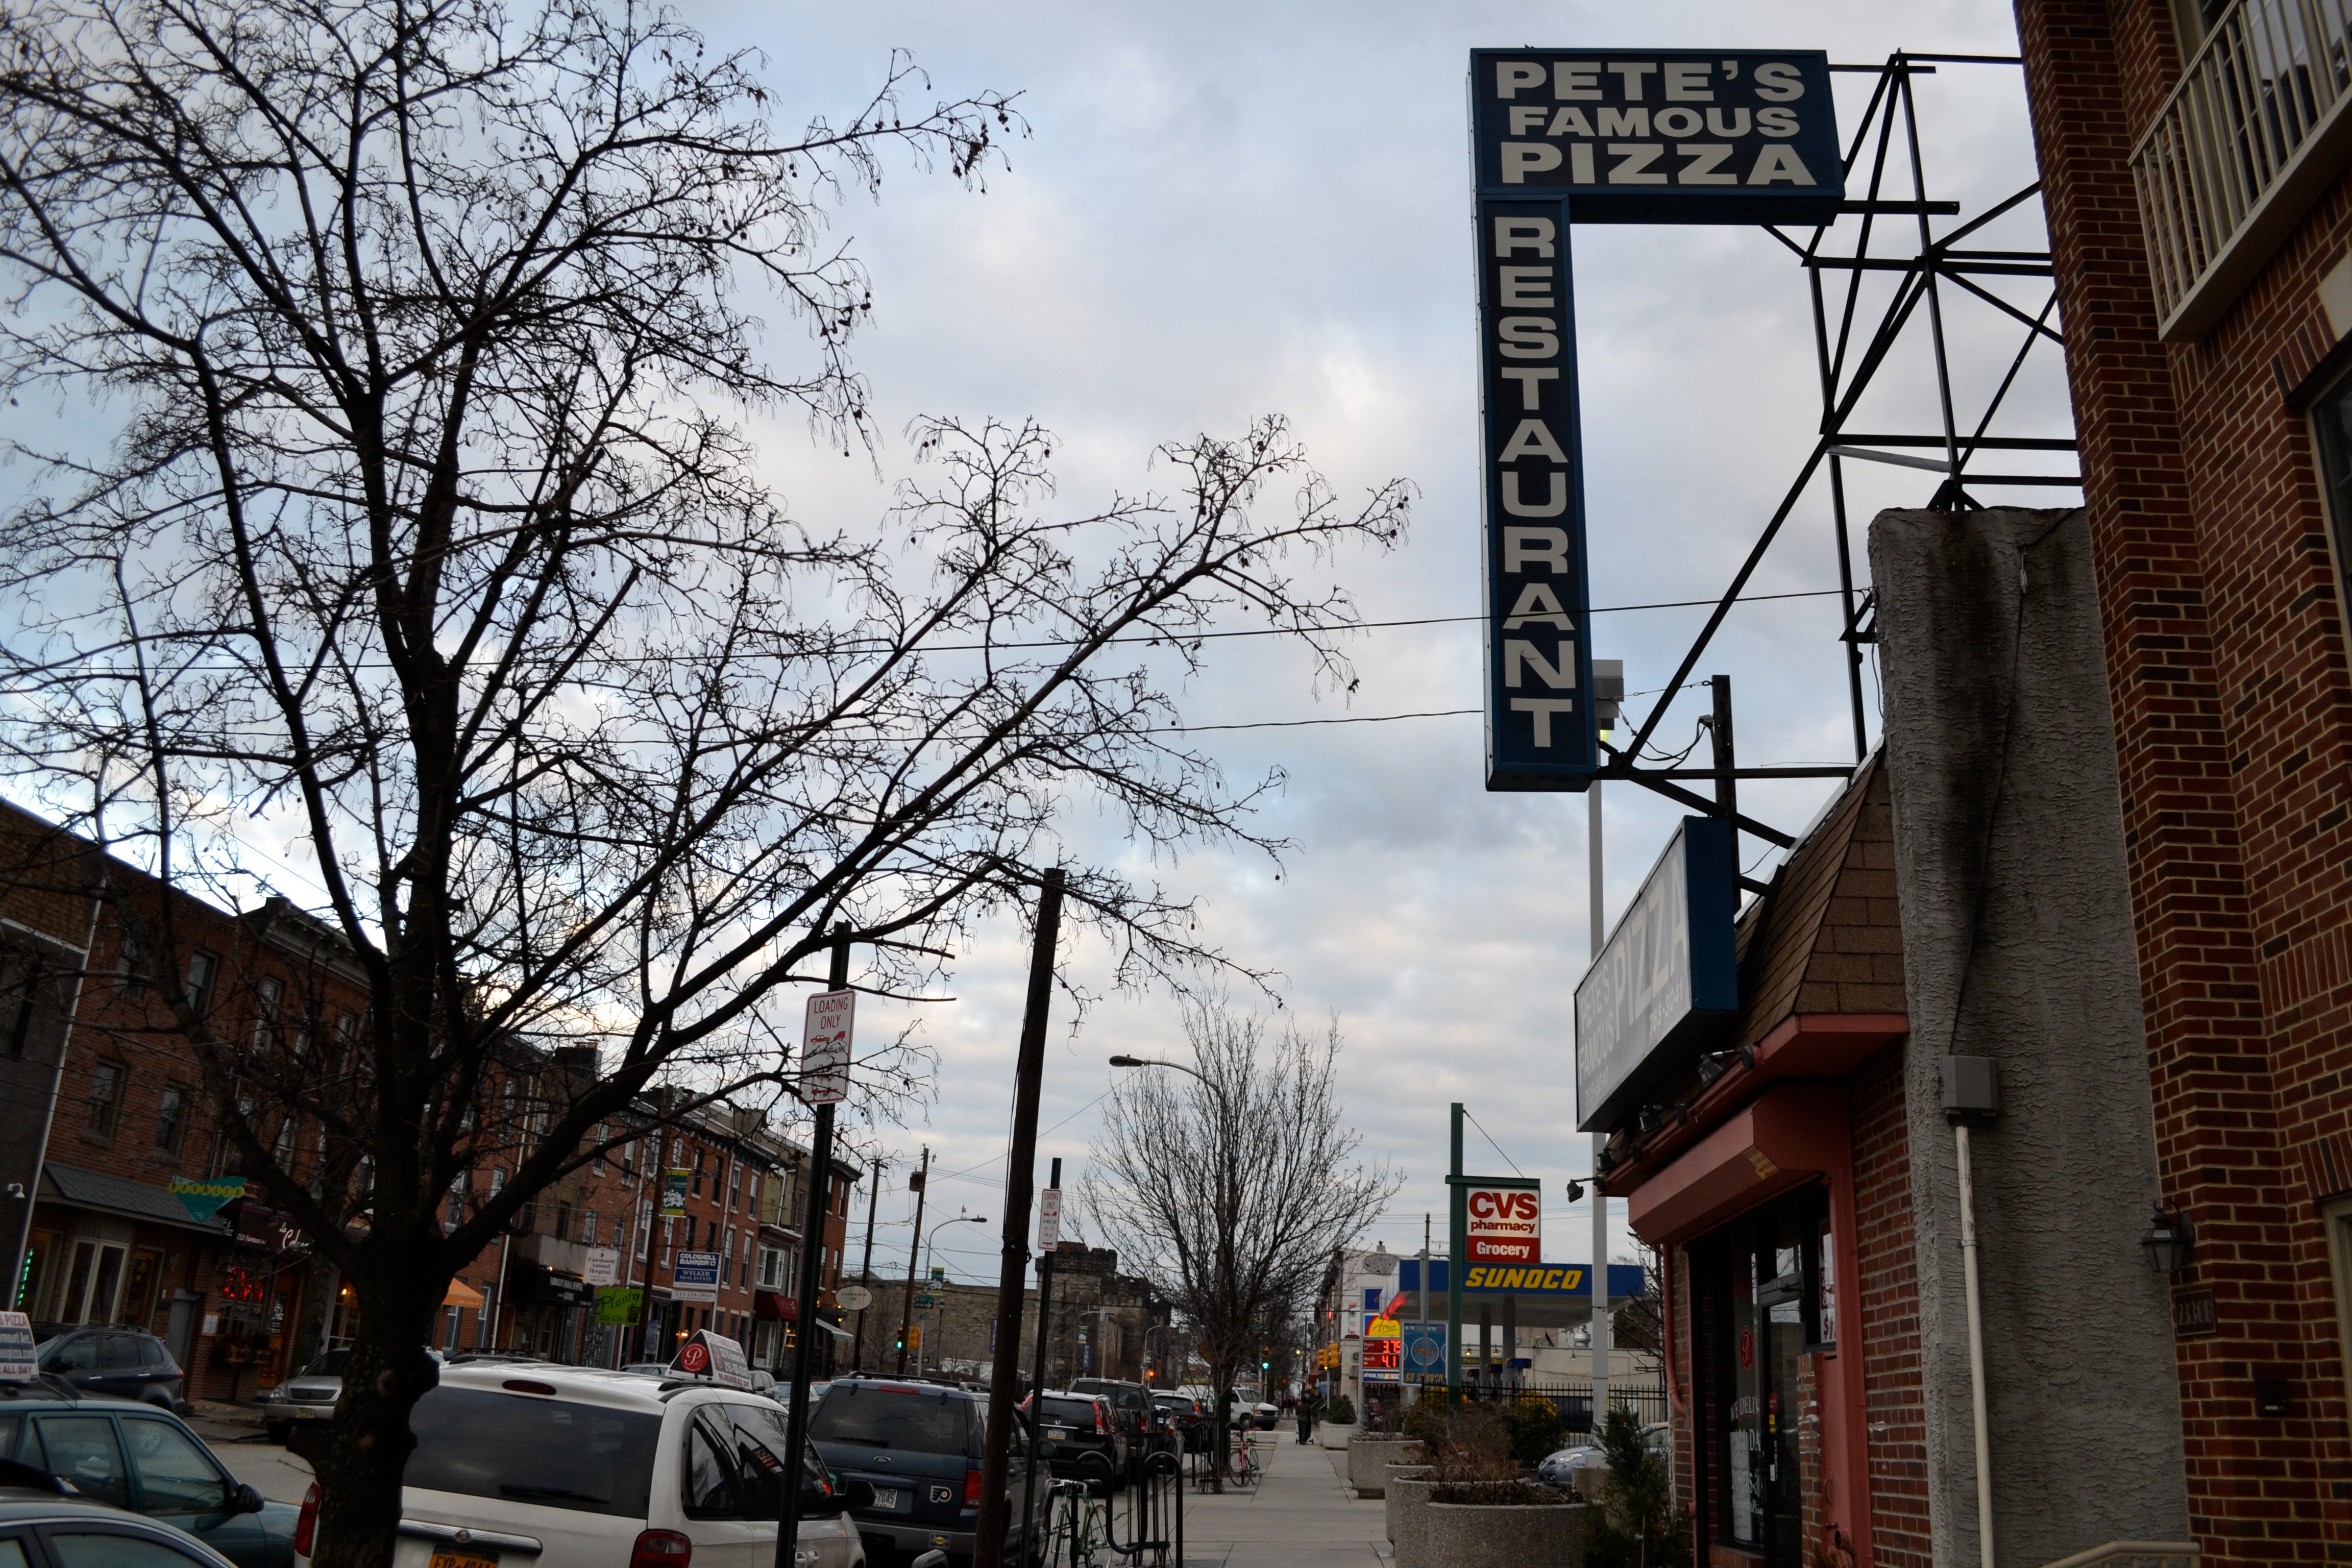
pixel 461 1294
pixel 774 1306
pixel 77 1188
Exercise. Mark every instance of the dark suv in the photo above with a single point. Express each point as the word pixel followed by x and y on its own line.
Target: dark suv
pixel 1131 1409
pixel 120 1362
pixel 920 1447
pixel 1078 1437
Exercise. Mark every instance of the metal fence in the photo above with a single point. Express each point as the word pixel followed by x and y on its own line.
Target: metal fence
pixel 1645 1399
pixel 2271 73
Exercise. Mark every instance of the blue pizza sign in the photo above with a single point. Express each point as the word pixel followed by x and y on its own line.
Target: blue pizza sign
pixel 1597 136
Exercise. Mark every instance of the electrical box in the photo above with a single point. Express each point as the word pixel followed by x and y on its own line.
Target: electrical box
pixel 1972 1089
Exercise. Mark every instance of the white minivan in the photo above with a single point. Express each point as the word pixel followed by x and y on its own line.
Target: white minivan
pixel 528 1465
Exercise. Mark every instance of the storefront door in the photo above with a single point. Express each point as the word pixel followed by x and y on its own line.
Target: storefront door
pixel 1763 1285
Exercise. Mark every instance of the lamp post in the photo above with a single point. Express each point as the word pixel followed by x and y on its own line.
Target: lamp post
pixel 928 1247
pixel 1157 1062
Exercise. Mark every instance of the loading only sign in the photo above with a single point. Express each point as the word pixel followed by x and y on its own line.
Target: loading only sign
pixel 1648 136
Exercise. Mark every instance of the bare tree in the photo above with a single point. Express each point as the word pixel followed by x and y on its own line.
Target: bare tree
pixel 1229 1190
pixel 422 526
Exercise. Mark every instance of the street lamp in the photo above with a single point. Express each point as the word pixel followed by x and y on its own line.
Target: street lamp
pixel 1156 1062
pixel 929 1246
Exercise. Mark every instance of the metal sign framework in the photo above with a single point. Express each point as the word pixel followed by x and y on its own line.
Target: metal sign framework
pixel 1937 271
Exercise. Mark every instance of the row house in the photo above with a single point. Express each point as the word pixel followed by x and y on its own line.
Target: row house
pixel 103 1115
pixel 783 1216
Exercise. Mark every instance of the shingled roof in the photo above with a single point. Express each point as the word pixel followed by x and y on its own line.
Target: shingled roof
pixel 1828 938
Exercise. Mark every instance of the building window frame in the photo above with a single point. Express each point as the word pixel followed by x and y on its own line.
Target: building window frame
pixel 171 1106
pixel 110 1082
pixel 2336 1214
pixel 2330 417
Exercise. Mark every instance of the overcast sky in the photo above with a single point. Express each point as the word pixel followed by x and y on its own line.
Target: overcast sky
pixel 1225 209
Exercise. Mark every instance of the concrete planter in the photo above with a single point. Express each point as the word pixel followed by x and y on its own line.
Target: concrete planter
pixel 1369 1459
pixel 1334 1434
pixel 1481 1535
pixel 1408 1507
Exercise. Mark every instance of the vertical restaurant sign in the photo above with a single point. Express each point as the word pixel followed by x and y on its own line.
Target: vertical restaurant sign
pixel 1539 733
pixel 1666 973
pixel 1502 1220
pixel 825 1047
pixel 1596 136
pixel 673 1203
pixel 1705 136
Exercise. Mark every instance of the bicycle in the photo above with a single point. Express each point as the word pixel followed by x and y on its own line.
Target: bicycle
pixel 1245 1468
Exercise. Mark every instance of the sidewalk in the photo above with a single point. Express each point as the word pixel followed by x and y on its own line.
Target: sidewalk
pixel 1301 1513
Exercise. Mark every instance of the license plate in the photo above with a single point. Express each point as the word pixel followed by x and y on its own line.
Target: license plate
pixel 448 1559
pixel 1057 1431
pixel 884 1497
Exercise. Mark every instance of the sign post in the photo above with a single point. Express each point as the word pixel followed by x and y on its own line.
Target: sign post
pixel 824 1083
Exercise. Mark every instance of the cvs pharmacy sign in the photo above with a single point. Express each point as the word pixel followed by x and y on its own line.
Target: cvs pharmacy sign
pixel 1503 1220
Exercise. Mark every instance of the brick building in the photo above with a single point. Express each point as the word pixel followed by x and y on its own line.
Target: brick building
pixel 2193 159
pixel 102 1110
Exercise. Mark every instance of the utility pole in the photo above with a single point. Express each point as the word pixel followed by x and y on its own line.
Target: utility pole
pixel 921 1183
pixel 1726 788
pixel 1019 1177
pixel 653 1239
pixel 1457 1244
pixel 865 1270
pixel 788 1523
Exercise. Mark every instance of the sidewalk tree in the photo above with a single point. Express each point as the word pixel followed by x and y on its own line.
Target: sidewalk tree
pixel 385 374
pixel 1230 1191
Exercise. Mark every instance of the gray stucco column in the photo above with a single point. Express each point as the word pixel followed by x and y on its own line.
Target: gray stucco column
pixel 2017 944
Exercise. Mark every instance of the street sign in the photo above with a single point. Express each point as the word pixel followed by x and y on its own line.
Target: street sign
pixel 1049 1220
pixel 1666 973
pixel 854 1298
pixel 602 1266
pixel 696 1277
pixel 925 1299
pixel 825 1047
pixel 673 1203
pixel 1503 1219
pixel 203 1199
pixel 17 1348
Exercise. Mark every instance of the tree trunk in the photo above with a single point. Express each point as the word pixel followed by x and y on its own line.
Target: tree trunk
pixel 359 1456
pixel 1221 1446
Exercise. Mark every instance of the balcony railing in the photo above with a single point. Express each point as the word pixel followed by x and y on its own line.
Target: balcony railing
pixel 2254 132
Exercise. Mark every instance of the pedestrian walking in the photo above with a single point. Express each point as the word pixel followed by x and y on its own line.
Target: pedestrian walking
pixel 1310 1403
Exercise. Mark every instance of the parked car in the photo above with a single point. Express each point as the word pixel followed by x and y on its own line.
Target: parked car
pixel 1560 1469
pixel 309 1395
pixel 1078 1437
pixel 143 1459
pixel 918 1447
pixel 119 1362
pixel 1190 1419
pixel 1130 1405
pixel 1266 1414
pixel 570 1466
pixel 40 1522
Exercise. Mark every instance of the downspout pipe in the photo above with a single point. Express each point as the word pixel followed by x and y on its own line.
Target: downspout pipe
pixel 1972 1099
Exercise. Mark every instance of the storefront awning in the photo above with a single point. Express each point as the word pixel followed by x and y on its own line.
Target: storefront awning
pixel 1792 1135
pixel 836 1331
pixel 77 1188
pixel 461 1294
pixel 774 1306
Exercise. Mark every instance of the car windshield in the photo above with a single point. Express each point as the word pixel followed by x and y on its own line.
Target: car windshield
pixel 527 1449
pixel 328 1365
pixel 892 1417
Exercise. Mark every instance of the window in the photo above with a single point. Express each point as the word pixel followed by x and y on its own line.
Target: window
pixel 562 1221
pixel 266 996
pixel 727 1260
pixel 453 1214
pixel 698 1172
pixel 176 1475
pixel 202 979
pixel 734 1186
pixel 2331 420
pixel 83 1447
pixel 597 1164
pixel 129 967
pixel 550 1453
pixel 172 1118
pixel 21 976
pixel 106 1080
pixel 588 1228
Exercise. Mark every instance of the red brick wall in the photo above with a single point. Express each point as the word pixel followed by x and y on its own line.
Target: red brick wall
pixel 1887 1252
pixel 2226 664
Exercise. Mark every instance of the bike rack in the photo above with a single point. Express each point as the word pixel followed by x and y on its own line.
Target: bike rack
pixel 1149 1512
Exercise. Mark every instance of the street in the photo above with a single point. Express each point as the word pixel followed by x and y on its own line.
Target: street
pixel 235 1435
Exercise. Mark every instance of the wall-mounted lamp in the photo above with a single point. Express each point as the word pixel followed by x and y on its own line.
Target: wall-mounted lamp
pixel 2170 1241
pixel 1576 1191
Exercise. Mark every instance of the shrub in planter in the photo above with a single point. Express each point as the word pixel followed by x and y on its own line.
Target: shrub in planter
pixel 1535 1430
pixel 1633 1522
pixel 1342 1412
